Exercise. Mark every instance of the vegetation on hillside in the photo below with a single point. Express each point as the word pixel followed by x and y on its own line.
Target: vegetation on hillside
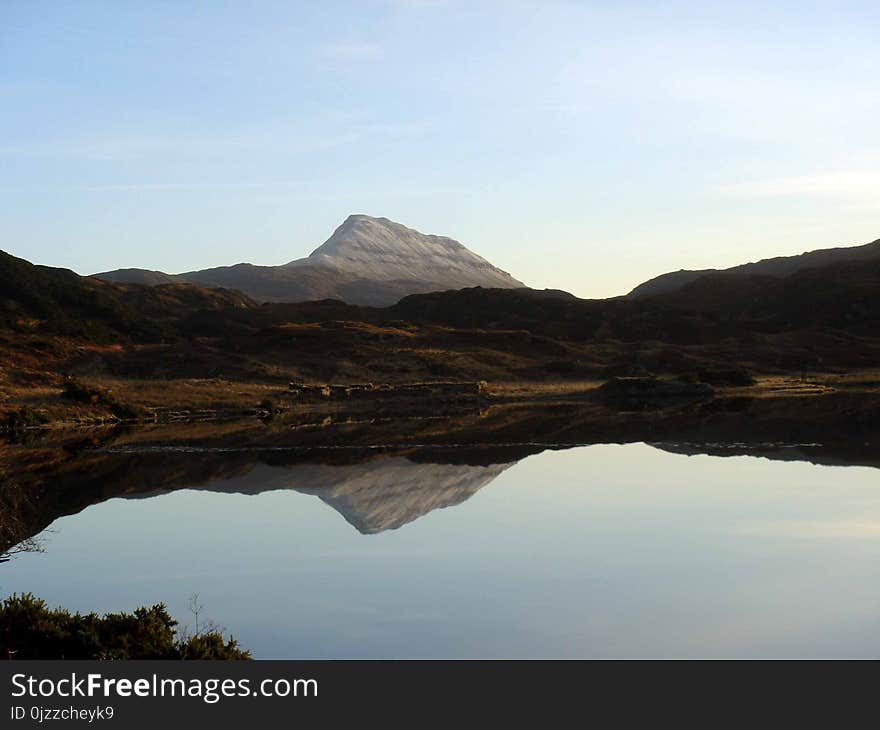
pixel 58 301
pixel 66 341
pixel 80 392
pixel 63 302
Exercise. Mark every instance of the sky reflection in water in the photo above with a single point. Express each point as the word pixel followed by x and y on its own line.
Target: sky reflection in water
pixel 600 551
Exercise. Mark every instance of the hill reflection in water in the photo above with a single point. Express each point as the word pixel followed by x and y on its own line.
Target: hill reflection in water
pixel 512 532
pixel 384 473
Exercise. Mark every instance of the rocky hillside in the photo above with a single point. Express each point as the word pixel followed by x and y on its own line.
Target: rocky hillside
pixel 367 261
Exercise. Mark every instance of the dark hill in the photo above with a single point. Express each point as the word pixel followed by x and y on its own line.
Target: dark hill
pixel 62 302
pixel 137 276
pixel 549 312
pixel 779 266
pixel 822 317
pixel 841 296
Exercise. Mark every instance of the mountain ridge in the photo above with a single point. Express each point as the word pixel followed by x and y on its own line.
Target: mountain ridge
pixel 778 266
pixel 177 347
pixel 367 261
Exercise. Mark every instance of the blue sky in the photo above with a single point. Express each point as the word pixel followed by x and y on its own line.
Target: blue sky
pixel 578 145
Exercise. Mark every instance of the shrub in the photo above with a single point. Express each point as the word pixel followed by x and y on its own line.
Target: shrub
pixel 30 630
pixel 95 395
pixel 81 393
pixel 24 418
pixel 125 411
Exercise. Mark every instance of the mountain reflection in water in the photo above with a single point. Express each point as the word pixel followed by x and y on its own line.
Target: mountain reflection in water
pixel 512 532
pixel 383 473
pixel 382 493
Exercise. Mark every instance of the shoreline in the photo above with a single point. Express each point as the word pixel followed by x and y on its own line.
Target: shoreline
pixel 198 400
pixel 217 401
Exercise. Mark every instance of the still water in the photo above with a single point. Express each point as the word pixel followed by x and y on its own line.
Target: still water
pixel 597 551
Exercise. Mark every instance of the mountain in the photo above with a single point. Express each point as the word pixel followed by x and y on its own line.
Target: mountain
pixel 375 495
pixel 367 261
pixel 780 266
pixel 53 322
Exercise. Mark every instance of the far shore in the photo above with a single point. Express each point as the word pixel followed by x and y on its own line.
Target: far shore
pixel 115 401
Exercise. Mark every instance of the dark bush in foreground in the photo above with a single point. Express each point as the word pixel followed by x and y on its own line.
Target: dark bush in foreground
pixel 30 630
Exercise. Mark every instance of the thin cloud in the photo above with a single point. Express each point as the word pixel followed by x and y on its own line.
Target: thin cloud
pixel 812 529
pixel 418 4
pixel 841 183
pixel 124 149
pixel 178 186
pixel 350 52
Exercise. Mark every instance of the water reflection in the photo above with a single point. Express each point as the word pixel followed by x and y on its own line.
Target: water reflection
pixel 473 537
